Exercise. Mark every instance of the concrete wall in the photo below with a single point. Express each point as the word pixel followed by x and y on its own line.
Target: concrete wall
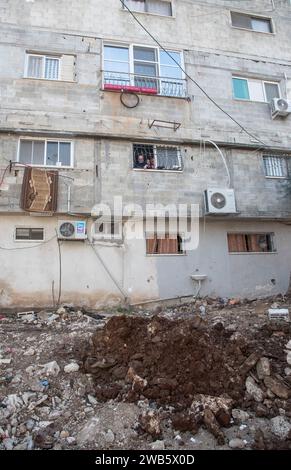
pixel 29 269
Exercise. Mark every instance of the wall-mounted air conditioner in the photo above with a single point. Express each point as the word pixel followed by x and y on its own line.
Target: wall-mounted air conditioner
pixel 280 107
pixel 72 230
pixel 219 201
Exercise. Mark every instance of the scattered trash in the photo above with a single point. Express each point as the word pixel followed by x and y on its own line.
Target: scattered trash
pixel 279 314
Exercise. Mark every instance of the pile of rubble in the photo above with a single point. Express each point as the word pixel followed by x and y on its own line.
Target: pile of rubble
pixel 211 375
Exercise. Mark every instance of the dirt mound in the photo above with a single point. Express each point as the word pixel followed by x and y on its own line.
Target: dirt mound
pixel 170 361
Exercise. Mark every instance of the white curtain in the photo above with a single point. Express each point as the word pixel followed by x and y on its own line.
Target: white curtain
pixel 136 5
pixel 34 67
pixel 159 7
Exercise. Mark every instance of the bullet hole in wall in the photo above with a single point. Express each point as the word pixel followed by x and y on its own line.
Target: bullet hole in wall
pixel 273 281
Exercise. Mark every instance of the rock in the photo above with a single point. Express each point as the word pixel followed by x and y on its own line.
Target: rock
pixel 288 345
pixel 30 424
pixel 262 411
pixel 150 423
pixel 212 425
pixel 72 367
pixel 240 415
pixel 109 437
pixel 92 400
pixel 5 361
pixel 158 445
pixel 253 390
pixel 236 443
pixel 43 315
pixel 8 443
pixel 29 352
pixel 223 417
pixel 138 383
pixel 277 387
pixel 71 440
pixel 64 434
pixel 250 362
pixel 280 426
pixel 263 368
pixel 289 358
pixel 287 371
pixel 61 311
pixel 51 368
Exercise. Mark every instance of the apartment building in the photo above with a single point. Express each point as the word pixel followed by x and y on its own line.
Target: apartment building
pixel 148 102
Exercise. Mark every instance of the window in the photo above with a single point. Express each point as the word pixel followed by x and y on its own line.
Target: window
pixel 144 69
pixel 250 242
pixel 45 153
pixel 156 157
pixel 255 90
pixel 50 67
pixel 169 245
pixel 275 166
pixel 23 233
pixel 254 23
pixel 159 7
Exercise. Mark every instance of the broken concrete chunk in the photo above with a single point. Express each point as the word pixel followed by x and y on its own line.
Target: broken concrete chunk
pixel 277 387
pixel 250 362
pixel 263 368
pixel 158 445
pixel 72 367
pixel 150 423
pixel 138 383
pixel 289 358
pixel 253 390
pixel 240 415
pixel 236 443
pixel 212 425
pixel 51 368
pixel 280 426
pixel 288 345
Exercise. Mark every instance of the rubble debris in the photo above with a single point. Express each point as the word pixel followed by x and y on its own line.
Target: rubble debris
pixel 263 368
pixel 72 367
pixel 236 444
pixel 277 387
pixel 276 314
pixel 281 427
pixel 254 390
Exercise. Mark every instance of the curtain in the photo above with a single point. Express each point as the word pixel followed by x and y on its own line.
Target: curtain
pixel 34 67
pixel 159 7
pixel 236 243
pixel 51 69
pixel 136 5
pixel 167 158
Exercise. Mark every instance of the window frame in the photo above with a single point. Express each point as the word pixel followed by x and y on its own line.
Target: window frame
pixel 173 9
pixel 131 60
pixel 179 234
pixel 45 140
pixel 272 240
pixel 17 240
pixel 256 17
pixel 285 157
pixel 262 81
pixel 44 57
pixel 154 170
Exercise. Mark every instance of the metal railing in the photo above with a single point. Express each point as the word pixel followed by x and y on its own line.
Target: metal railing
pixel 164 86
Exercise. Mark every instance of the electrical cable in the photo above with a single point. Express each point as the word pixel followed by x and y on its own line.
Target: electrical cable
pixel 27 247
pixel 191 78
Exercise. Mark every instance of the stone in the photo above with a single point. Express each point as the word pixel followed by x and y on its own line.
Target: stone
pixel 72 367
pixel 263 368
pixel 212 425
pixel 92 400
pixel 289 358
pixel 109 437
pixel 287 371
pixel 240 415
pixel 71 440
pixel 288 345
pixel 158 445
pixel 150 423
pixel 138 383
pixel 280 426
pixel 276 387
pixel 236 443
pixel 61 311
pixel 51 368
pixel 43 315
pixel 64 434
pixel 254 390
pixel 8 443
pixel 5 361
pixel 250 362
pixel 29 352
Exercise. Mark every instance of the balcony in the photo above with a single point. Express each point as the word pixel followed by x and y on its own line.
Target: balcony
pixel 143 84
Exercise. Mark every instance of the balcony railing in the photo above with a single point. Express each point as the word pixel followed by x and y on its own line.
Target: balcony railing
pixel 163 86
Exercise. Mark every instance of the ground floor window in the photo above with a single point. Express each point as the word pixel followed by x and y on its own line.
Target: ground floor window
pixel 169 245
pixel 26 233
pixel 250 242
pixel 156 157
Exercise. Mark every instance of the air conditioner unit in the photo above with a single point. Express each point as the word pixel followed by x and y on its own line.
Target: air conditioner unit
pixel 72 230
pixel 280 107
pixel 219 201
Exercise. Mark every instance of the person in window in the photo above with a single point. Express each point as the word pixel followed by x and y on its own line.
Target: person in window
pixel 140 162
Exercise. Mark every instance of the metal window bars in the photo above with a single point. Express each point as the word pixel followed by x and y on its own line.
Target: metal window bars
pixel 275 166
pixel 164 86
pixel 156 157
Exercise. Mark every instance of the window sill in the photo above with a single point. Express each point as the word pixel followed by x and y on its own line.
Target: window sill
pixel 156 171
pixel 277 177
pixel 31 165
pixel 249 101
pixel 253 30
pixel 29 241
pixel 173 17
pixel 253 253
pixel 49 80
pixel 165 254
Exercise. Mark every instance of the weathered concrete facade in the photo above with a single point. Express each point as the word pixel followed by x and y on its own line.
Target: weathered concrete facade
pixel 102 132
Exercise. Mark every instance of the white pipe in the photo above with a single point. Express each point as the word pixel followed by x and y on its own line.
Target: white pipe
pixel 223 159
